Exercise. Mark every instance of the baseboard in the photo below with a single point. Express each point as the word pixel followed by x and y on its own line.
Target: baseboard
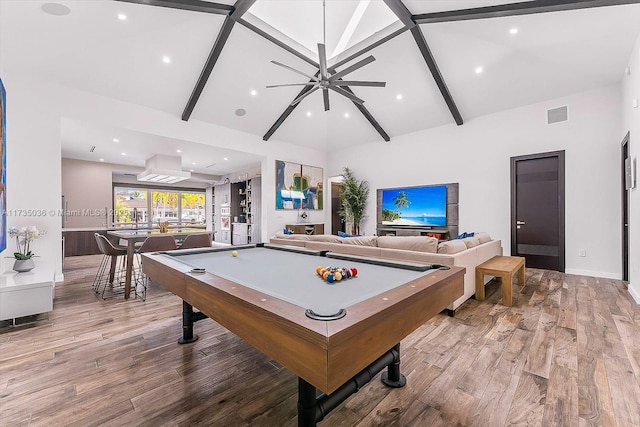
pixel 603 274
pixel 59 278
pixel 634 293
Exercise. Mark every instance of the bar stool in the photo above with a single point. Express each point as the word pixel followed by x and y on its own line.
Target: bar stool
pixel 202 240
pixel 151 244
pixel 112 270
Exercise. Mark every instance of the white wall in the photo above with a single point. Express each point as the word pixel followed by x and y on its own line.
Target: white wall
pixel 477 155
pixel 33 173
pixel 631 92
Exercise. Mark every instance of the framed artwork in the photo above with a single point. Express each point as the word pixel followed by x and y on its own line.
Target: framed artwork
pixel 3 165
pixel 225 223
pixel 298 186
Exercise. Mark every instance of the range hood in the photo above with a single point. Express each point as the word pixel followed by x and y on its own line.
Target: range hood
pixel 164 169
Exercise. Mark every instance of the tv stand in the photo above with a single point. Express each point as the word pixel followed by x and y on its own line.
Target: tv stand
pixel 441 233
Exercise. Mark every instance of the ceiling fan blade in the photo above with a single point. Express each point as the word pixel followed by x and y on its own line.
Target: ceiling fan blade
pixel 325 96
pixel 293 84
pixel 347 94
pixel 296 71
pixel 357 83
pixel 301 97
pixel 369 59
pixel 322 56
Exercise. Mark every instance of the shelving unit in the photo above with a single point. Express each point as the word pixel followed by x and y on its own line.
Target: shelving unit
pixel 245 211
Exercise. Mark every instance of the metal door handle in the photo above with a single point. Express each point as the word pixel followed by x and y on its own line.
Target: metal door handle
pixel 520 223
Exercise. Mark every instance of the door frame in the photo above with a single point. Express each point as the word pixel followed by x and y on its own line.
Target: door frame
pixel 561 201
pixel 624 152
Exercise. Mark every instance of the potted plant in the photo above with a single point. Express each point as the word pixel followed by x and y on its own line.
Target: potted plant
pixel 354 195
pixel 24 236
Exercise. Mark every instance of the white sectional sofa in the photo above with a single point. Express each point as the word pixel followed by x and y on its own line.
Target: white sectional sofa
pixel 468 252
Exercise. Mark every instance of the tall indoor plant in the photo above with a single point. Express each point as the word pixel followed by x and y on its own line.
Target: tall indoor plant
pixel 354 195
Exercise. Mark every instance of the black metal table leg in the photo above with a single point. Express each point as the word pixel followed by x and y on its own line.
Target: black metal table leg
pixel 187 324
pixel 307 404
pixel 393 377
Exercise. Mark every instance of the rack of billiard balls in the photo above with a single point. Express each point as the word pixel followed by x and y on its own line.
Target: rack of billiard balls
pixel 336 274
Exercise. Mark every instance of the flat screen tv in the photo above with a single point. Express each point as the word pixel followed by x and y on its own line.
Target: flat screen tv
pixel 415 206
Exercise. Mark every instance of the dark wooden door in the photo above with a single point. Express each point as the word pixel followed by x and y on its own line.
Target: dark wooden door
pixel 337 223
pixel 625 211
pixel 537 209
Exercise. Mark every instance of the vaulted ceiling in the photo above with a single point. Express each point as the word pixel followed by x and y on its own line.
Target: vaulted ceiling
pixel 444 61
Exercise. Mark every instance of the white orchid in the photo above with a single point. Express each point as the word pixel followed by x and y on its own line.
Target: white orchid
pixel 24 236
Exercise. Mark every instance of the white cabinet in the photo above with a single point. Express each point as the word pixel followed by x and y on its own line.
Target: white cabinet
pixel 240 233
pixel 24 294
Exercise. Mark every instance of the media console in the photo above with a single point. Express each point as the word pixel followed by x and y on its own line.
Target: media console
pixel 438 233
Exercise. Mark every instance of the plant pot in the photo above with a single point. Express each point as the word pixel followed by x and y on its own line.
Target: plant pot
pixel 23 265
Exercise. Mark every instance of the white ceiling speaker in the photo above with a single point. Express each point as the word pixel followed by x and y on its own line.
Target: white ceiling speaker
pixel 557 115
pixel 164 169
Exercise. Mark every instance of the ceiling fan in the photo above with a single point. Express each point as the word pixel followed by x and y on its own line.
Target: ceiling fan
pixel 325 81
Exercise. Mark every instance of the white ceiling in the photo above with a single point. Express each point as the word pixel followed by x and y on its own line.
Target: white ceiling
pixel 552 55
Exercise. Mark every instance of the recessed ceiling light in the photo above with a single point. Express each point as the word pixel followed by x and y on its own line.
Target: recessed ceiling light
pixel 124 154
pixel 166 59
pixel 190 170
pixel 56 9
pixel 122 17
pixel 178 151
pixel 254 92
pixel 241 112
pixel 226 158
pixel 513 31
pixel 399 96
pixel 115 140
pixel 346 115
pixel 102 160
pixel 194 163
pixel 478 70
pixel 308 113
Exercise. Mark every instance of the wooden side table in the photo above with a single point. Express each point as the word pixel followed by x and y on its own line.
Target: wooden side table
pixel 504 267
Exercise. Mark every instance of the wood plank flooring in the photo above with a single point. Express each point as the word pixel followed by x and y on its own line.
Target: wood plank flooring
pixel 567 354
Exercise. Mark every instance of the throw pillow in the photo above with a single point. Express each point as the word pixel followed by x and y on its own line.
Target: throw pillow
pixel 343 234
pixel 451 247
pixel 285 231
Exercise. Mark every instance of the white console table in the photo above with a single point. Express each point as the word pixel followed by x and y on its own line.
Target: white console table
pixel 25 294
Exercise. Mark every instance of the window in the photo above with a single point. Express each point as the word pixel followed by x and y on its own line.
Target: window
pixel 146 206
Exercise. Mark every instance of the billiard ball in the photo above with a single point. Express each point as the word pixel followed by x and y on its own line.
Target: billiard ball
pixel 234 253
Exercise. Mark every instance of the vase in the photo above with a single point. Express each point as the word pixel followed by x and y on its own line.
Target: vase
pixel 23 265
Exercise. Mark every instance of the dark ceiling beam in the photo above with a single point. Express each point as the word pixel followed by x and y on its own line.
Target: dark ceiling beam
pixel 240 7
pixel 277 42
pixel 512 9
pixel 370 47
pixel 367 115
pixel 435 72
pixel 404 15
pixel 192 5
pixel 287 111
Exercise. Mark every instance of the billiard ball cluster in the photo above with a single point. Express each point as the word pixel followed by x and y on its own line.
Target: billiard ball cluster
pixel 335 274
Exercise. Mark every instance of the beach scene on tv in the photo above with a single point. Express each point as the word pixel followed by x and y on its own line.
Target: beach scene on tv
pixel 417 206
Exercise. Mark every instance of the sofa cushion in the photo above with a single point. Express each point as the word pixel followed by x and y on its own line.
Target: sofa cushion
pixel 409 243
pixel 483 237
pixel 361 241
pixel 281 235
pixel 329 238
pixel 471 242
pixel 452 247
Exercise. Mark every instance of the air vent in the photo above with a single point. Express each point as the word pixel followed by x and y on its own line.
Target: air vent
pixel 557 115
pixel 211 165
pixel 93 147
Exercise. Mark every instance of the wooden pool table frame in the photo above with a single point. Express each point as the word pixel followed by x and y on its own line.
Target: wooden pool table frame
pixel 325 354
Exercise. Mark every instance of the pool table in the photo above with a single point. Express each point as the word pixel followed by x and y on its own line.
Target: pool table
pixel 334 336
